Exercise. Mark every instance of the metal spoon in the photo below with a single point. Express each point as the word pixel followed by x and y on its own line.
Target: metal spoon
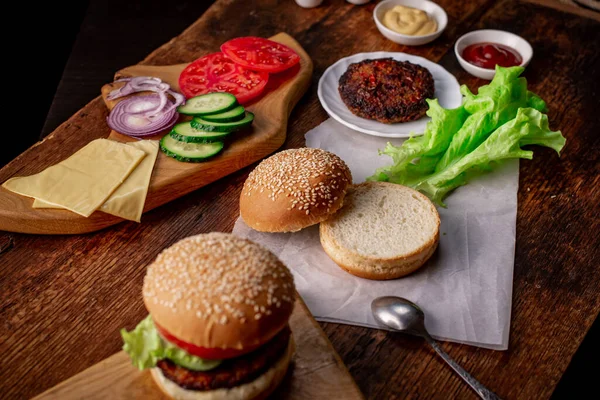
pixel 405 316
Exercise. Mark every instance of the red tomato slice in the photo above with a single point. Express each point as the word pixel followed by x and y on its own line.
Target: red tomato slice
pixel 259 54
pixel 202 352
pixel 218 73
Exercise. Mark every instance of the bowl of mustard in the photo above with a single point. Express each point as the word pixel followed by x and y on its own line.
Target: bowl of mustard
pixel 410 22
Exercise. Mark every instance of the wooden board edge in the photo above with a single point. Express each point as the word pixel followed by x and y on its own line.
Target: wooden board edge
pixel 358 395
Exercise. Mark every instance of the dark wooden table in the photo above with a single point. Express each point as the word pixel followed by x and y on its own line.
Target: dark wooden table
pixel 64 298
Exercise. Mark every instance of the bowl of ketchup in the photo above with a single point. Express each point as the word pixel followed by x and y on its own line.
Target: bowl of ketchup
pixel 479 52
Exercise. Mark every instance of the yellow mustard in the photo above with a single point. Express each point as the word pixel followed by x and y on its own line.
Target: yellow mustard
pixel 409 21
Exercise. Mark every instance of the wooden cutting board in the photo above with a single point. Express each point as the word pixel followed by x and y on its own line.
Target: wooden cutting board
pixel 171 179
pixel 315 373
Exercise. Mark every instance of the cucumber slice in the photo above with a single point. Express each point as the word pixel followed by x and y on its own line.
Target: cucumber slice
pixel 184 132
pixel 211 103
pixel 204 125
pixel 189 152
pixel 235 114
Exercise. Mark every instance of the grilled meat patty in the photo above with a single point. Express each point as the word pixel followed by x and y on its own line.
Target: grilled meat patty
pixel 386 90
pixel 232 372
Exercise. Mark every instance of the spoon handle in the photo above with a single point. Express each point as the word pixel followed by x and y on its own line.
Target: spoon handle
pixel 481 390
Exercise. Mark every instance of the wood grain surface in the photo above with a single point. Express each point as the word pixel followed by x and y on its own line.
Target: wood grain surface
pixel 64 298
pixel 316 372
pixel 170 179
pixel 573 7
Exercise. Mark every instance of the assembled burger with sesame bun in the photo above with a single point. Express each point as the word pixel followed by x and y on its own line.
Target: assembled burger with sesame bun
pixel 218 326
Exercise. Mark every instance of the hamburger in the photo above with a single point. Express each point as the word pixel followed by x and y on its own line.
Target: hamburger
pixel 217 327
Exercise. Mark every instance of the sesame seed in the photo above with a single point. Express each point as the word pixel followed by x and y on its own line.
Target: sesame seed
pixel 218 277
pixel 304 176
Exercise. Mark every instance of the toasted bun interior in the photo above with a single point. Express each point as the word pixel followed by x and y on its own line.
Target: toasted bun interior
pixel 217 290
pixel 294 189
pixel 260 388
pixel 384 231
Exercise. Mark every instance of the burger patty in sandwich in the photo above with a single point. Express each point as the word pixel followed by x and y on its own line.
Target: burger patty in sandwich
pixel 232 372
pixel 386 90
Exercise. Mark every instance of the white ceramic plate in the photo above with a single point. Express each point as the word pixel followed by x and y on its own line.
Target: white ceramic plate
pixel 447 91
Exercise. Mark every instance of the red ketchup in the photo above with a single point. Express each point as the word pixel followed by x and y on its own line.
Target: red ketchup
pixel 487 55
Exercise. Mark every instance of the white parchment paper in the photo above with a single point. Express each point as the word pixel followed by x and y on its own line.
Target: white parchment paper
pixel 465 289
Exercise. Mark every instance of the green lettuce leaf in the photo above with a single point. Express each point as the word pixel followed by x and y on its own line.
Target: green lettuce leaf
pixel 453 133
pixel 494 105
pixel 435 140
pixel 145 347
pixel 529 127
pixel 534 101
pixel 458 144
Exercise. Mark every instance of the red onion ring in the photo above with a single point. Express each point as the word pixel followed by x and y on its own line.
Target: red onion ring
pixel 160 107
pixel 152 84
pixel 179 100
pixel 128 117
pixel 122 91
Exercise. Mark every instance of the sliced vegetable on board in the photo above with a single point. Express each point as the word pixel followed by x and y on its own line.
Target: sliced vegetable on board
pixel 210 103
pixel 140 116
pixel 187 151
pixel 136 116
pixel 200 139
pixel 218 73
pixel 260 54
pixel 184 132
pixel 202 124
pixel 235 114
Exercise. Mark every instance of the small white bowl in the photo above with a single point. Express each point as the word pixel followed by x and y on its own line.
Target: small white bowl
pixel 429 7
pixel 511 40
pixel 309 3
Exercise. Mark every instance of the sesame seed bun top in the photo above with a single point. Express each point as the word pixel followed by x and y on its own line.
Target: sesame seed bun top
pixel 217 290
pixel 294 189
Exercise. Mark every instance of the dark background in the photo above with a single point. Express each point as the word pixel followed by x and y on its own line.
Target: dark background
pixel 79 43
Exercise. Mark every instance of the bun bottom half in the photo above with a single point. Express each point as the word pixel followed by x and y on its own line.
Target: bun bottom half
pixel 258 389
pixel 384 231
pixel 382 269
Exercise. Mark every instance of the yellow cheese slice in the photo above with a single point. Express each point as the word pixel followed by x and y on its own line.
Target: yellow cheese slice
pixel 128 200
pixel 84 181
